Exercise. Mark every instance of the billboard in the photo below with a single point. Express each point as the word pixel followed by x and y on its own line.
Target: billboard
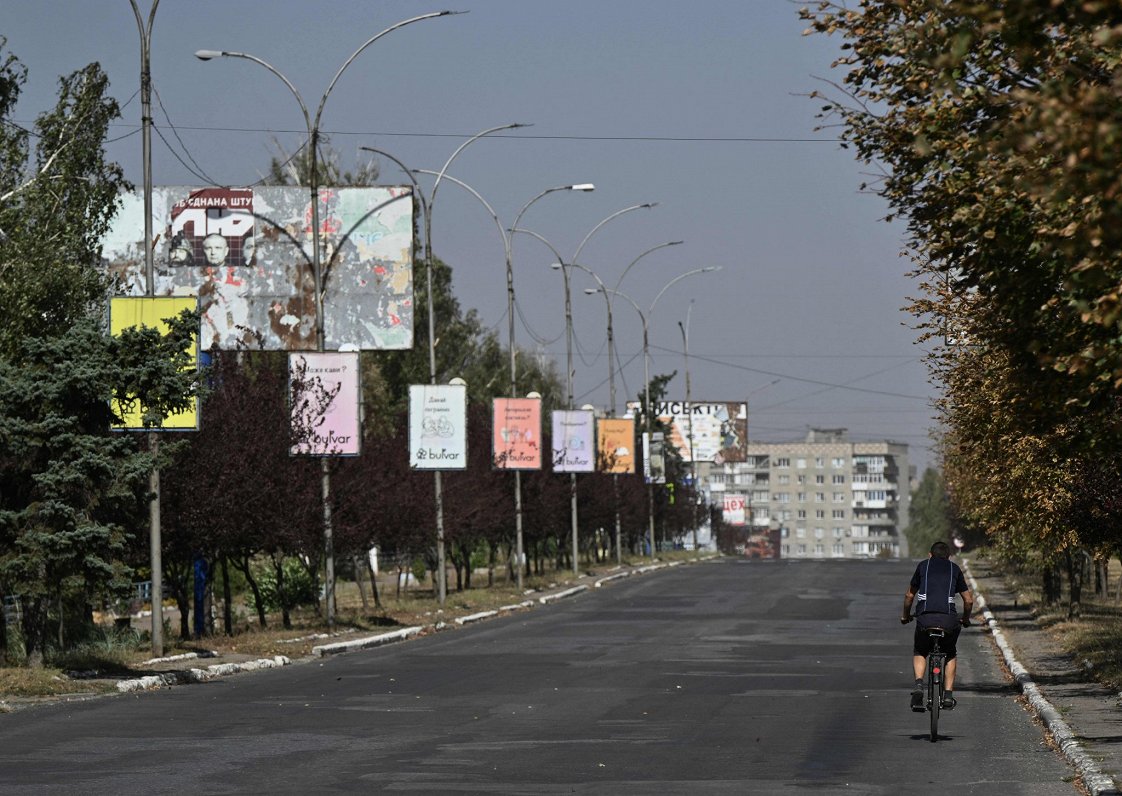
pixel 516 433
pixel 615 445
pixel 126 313
pixel 654 457
pixel 438 426
pixel 246 253
pixel 325 401
pixel 733 510
pixel 574 441
pixel 720 429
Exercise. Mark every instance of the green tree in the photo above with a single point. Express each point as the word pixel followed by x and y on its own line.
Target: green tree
pixel 930 518
pixel 72 492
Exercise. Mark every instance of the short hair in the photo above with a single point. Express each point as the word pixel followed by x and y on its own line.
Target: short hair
pixel 940 550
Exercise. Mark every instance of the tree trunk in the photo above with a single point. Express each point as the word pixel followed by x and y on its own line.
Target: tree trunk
pixel 227 599
pixel 491 560
pixel 243 567
pixel 358 581
pixel 1075 572
pixel 374 583
pixel 282 598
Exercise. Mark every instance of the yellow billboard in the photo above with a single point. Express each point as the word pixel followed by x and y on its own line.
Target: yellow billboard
pixel 127 313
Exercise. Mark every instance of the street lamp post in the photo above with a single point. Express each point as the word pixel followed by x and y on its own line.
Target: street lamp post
pixel 312 126
pixel 426 212
pixel 689 423
pixel 155 543
pixel 506 238
pixel 648 409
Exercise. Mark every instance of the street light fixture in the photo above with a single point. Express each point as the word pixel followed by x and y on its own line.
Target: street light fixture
pixel 312 126
pixel 649 408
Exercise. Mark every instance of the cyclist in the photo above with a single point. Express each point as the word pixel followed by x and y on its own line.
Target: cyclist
pixel 935 583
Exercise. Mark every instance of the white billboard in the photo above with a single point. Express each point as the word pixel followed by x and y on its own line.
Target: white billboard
pixel 438 426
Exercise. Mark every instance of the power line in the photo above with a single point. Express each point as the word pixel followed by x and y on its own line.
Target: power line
pixel 526 136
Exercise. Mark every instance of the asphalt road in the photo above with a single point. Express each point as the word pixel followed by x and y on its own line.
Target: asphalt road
pixel 726 677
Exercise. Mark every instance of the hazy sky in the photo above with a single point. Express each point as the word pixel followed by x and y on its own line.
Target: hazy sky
pixel 700 107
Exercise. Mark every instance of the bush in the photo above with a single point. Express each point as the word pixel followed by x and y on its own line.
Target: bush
pixel 298 587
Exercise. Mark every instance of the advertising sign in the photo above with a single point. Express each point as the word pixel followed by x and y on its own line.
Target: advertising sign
pixel 324 398
pixel 438 426
pixel 516 438
pixel 246 253
pixel 720 430
pixel 615 445
pixel 126 313
pixel 654 457
pixel 733 511
pixel 574 441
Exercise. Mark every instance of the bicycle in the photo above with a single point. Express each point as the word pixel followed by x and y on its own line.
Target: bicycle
pixel 936 664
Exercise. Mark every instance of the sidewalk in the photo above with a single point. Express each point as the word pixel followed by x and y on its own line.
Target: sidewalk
pixel 1084 717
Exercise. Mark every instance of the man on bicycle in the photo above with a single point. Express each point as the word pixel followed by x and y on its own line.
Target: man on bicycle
pixel 936 582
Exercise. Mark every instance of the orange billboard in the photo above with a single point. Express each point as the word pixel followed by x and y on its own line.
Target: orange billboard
pixel 615 445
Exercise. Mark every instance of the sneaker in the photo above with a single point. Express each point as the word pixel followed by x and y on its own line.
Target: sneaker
pixel 917 701
pixel 949 702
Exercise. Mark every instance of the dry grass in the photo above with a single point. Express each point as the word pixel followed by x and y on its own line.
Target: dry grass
pixel 1094 638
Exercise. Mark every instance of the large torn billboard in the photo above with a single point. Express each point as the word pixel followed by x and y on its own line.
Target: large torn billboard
pixel 720 430
pixel 247 254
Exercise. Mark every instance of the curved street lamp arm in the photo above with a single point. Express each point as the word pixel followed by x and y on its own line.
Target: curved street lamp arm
pixel 644 254
pixel 409 174
pixel 679 278
pixel 440 174
pixel 576 255
pixel 206 55
pixel 541 238
pixel 476 194
pixel 367 43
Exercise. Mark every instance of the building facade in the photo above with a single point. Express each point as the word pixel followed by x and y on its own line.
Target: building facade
pixel 823 497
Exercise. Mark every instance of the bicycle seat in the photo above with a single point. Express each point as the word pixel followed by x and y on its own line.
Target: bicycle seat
pixel 936 632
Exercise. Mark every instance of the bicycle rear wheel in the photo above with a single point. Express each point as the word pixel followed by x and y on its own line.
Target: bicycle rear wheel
pixel 936 703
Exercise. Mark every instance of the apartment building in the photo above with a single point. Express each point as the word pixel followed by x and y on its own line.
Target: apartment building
pixel 823 497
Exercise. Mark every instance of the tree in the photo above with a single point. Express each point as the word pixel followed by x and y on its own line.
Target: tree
pixel 72 492
pixel 993 129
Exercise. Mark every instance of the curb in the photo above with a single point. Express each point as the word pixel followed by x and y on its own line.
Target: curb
pixel 365 643
pixel 199 675
pixel 1098 783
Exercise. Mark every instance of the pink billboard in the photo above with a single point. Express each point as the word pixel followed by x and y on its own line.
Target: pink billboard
pixel 324 398
pixel 516 433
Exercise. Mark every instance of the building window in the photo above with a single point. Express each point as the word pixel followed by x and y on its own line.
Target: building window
pixel 802 550
pixel 838 462
pixel 818 533
pixel 801 514
pixel 819 514
pixel 839 549
pixel 801 497
pixel 837 479
pixel 838 532
pixel 876 494
pixel 819 550
pixel 781 497
pixel 784 480
pixel 801 479
pixel 839 497
pixel 819 462
pixel 819 497
pixel 838 514
pixel 783 461
pixel 820 479
pixel 800 533
pixel 800 464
